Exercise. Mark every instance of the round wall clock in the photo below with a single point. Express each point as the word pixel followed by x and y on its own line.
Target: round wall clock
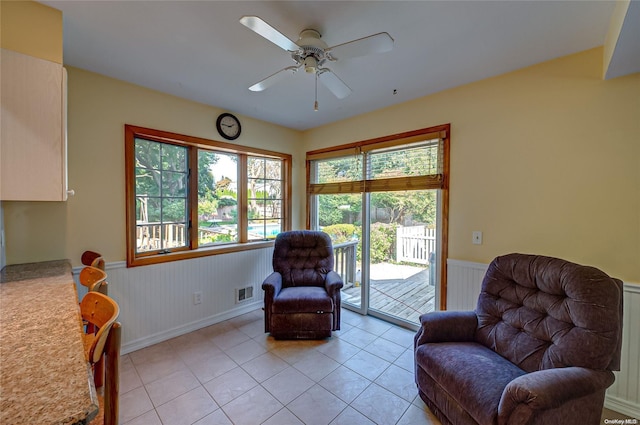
pixel 228 126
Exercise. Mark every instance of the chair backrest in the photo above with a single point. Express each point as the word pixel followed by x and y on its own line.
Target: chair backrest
pixel 303 257
pixel 101 311
pixel 94 259
pixel 542 312
pixel 93 278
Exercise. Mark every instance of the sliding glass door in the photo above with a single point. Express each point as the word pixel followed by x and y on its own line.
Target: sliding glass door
pixel 403 250
pixel 382 206
pixel 340 215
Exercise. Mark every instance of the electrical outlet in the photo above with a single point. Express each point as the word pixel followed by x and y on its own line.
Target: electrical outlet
pixel 476 238
pixel 197 297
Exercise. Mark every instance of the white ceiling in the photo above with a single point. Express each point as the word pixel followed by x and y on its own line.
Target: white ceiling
pixel 198 50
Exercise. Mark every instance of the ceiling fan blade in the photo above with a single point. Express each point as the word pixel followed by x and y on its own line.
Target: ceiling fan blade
pixel 259 26
pixel 334 84
pixel 377 43
pixel 273 78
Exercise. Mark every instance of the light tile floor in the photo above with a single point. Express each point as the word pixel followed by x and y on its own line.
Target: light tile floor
pixel 234 373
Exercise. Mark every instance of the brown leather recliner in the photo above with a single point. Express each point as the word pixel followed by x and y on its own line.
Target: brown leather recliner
pixel 302 295
pixel 539 348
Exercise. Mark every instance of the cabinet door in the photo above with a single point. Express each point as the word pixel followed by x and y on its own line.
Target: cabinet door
pixel 33 136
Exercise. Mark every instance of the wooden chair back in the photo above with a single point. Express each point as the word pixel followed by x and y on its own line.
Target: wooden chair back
pixel 94 279
pixel 101 311
pixel 94 259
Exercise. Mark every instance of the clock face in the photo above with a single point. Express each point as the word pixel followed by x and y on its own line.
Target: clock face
pixel 228 126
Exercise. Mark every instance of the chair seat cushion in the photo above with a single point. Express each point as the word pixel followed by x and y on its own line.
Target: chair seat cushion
pixel 302 299
pixel 472 374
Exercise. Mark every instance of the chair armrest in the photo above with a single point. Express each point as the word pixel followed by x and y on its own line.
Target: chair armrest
pixel 272 285
pixel 549 389
pixel 333 283
pixel 447 326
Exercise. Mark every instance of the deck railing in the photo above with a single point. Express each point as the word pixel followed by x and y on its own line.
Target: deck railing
pixel 155 236
pixel 345 261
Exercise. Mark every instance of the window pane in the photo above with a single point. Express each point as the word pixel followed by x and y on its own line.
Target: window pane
pixel 147 154
pixel 174 158
pixel 255 167
pixel 217 197
pixel 161 195
pixel 340 216
pixel 151 211
pixel 174 210
pixel 174 184
pixel 148 237
pixel 273 209
pixel 147 182
pixel 273 189
pixel 256 188
pixel 345 169
pixel 273 169
pixel 421 159
pixel 264 229
pixel 256 208
pixel 264 195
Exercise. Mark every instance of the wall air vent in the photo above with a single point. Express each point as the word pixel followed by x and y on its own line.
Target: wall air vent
pixel 244 294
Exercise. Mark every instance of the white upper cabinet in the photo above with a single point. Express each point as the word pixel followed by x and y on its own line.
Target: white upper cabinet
pixel 33 141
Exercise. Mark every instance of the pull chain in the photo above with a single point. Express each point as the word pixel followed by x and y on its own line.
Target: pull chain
pixel 315 105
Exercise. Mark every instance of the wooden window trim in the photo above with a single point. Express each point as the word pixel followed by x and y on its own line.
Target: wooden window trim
pixel 193 250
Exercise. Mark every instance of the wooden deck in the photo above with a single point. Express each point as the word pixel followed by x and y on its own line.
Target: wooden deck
pixel 406 298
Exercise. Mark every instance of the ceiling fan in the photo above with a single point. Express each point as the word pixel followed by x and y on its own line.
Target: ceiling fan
pixel 312 53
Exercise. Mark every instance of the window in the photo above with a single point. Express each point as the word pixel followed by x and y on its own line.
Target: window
pixel 384 202
pixel 190 197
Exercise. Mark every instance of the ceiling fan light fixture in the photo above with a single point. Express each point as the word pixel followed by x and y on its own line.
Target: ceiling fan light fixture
pixel 310 64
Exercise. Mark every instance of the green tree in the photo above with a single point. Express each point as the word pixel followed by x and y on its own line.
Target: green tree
pixel 206 183
pixel 336 209
pixel 161 173
pixel 421 205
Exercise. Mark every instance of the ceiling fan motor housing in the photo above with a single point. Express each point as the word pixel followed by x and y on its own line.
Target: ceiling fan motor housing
pixel 312 50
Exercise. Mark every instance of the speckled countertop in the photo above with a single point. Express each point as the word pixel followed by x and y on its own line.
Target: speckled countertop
pixel 44 376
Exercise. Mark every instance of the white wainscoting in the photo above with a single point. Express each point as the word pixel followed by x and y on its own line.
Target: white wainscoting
pixel 156 302
pixel 624 395
pixel 464 280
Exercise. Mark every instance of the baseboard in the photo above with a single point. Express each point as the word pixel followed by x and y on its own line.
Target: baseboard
pixel 189 327
pixel 622 406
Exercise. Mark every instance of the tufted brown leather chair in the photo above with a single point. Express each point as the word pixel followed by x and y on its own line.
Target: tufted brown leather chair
pixel 538 349
pixel 302 295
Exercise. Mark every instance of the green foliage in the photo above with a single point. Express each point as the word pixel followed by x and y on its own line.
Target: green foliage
pixel 334 209
pixel 342 232
pixel 174 210
pixel 206 185
pixel 420 206
pixel 226 201
pixel 207 207
pixel 221 237
pixel 383 242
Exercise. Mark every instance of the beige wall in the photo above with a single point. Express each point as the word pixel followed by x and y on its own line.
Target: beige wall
pixel 94 218
pixel 543 160
pixel 32 29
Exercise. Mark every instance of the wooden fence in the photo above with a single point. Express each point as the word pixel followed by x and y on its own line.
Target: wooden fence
pixel 414 244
